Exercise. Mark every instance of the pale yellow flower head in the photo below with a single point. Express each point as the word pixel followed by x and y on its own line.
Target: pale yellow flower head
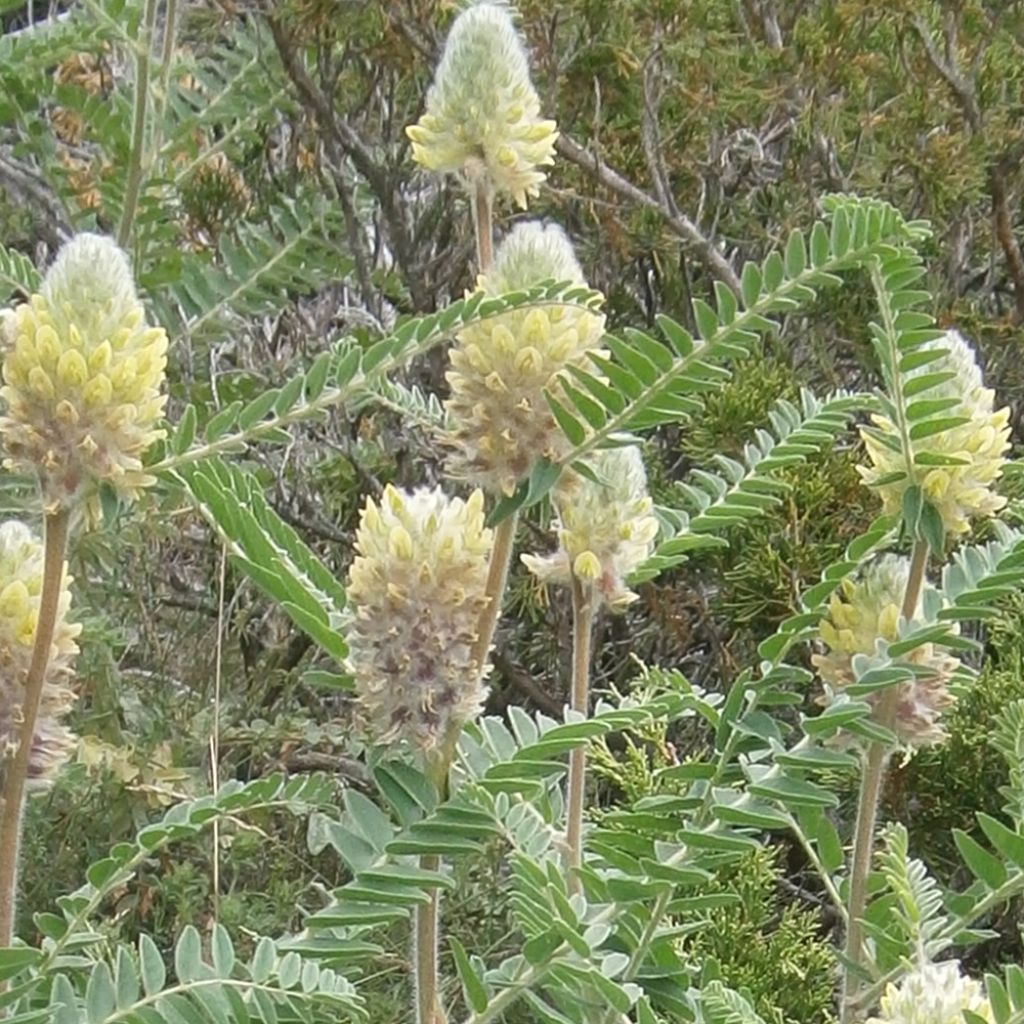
pixel 502 366
pixel 21 582
pixel 416 588
pixel 933 994
pixel 483 114
pixel 865 611
pixel 606 529
pixel 82 374
pixel 959 491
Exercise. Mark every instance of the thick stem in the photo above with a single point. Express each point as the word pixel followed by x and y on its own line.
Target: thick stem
pixel 428 1003
pixel 427 919
pixel 483 222
pixel 497 576
pixel 133 186
pixel 860 867
pixel 871 783
pixel 582 627
pixel 55 546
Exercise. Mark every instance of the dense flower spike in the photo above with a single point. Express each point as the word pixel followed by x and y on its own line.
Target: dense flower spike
pixel 933 994
pixel 606 529
pixel 417 590
pixel 483 114
pixel 975 450
pixel 21 581
pixel 82 374
pixel 867 610
pixel 501 367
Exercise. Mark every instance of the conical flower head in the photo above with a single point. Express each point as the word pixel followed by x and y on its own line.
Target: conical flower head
pixel 21 583
pixel 417 587
pixel 502 366
pixel 82 374
pixel 606 529
pixel 973 452
pixel 933 994
pixel 483 114
pixel 865 611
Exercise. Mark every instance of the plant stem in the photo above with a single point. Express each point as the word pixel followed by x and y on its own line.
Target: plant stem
pixel 871 782
pixel 428 1004
pixel 497 576
pixel 483 222
pixel 167 49
pixel 54 548
pixel 507 996
pixel 915 579
pixel 427 915
pixel 133 186
pixel 582 628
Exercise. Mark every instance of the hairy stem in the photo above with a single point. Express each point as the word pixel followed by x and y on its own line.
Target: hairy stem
pixel 133 186
pixel 483 222
pixel 871 782
pixel 428 1003
pixel 427 918
pixel 167 49
pixel 55 546
pixel 497 577
pixel 582 628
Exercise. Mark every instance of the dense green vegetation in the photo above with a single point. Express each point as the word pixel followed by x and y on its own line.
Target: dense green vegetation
pixel 279 229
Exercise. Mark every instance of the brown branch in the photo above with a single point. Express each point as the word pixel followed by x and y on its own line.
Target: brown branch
pixel 962 88
pixel 519 679
pixel 716 263
pixel 1007 239
pixel 27 185
pixel 341 137
pixel 967 96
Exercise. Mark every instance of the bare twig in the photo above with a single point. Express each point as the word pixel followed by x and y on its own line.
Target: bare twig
pixel 678 222
pixel 651 134
pixel 965 91
pixel 518 678
pixel 25 184
pixel 341 138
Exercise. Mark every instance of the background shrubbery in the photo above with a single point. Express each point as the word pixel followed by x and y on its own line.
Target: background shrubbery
pixel 280 211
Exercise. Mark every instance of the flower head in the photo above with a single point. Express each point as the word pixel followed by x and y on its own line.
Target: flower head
pixel 606 529
pixel 933 994
pixel 959 465
pixel 502 366
pixel 21 583
pixel 483 114
pixel 417 589
pixel 862 613
pixel 82 374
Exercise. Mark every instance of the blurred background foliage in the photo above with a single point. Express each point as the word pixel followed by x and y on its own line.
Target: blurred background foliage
pixel 695 135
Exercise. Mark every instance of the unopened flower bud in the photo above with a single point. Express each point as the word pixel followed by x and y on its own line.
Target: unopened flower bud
pixel 502 366
pixel 958 466
pixel 483 114
pixel 82 374
pixel 865 611
pixel 417 588
pixel 606 529
pixel 21 583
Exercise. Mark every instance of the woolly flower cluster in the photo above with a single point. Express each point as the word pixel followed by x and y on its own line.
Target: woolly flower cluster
pixel 959 465
pixel 82 374
pixel 483 114
pixel 502 366
pixel 933 994
pixel 417 586
pixel 863 612
pixel 21 583
pixel 606 529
